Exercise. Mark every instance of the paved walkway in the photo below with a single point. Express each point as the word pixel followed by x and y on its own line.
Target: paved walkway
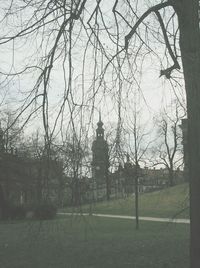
pixel 170 220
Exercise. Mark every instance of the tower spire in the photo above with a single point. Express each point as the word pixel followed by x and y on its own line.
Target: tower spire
pixel 100 130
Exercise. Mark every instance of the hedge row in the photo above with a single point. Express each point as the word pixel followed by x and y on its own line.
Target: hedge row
pixel 42 211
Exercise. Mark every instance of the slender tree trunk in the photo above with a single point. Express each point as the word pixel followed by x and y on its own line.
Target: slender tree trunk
pixel 190 50
pixel 3 206
pixel 107 187
pixel 171 177
pixel 136 203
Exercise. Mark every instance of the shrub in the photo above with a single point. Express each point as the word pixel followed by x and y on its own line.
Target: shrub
pixel 13 212
pixel 17 212
pixel 45 211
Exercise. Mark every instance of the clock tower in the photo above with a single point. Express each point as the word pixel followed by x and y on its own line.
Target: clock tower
pixel 100 162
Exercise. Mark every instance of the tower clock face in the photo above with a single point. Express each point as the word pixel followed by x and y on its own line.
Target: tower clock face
pixel 97 168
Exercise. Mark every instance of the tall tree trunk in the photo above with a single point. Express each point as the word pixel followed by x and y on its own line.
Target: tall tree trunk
pixel 190 50
pixel 136 201
pixel 108 190
pixel 171 177
pixel 3 206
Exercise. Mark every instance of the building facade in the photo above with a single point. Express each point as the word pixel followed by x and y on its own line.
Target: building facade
pixel 25 180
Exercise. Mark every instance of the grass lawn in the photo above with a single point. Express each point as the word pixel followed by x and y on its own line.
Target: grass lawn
pixel 170 202
pixel 90 242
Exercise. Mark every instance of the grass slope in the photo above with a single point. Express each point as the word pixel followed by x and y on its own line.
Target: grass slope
pixel 89 242
pixel 170 202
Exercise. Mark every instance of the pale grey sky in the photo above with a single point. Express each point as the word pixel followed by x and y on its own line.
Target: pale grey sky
pixel 154 92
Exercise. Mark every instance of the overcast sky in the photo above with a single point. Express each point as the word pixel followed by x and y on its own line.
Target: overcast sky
pixel 140 78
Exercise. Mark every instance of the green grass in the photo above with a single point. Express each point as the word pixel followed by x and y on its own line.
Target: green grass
pixel 89 242
pixel 170 202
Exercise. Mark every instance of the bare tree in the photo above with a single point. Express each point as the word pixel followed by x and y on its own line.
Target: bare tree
pixel 138 144
pixel 13 134
pixel 168 148
pixel 76 166
pixel 43 174
pixel 175 24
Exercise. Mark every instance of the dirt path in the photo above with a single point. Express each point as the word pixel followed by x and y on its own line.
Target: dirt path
pixel 171 220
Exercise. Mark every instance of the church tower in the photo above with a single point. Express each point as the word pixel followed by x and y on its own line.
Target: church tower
pixel 100 162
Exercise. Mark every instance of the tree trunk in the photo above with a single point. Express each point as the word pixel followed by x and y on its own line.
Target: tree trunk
pixel 190 51
pixel 108 190
pixel 136 203
pixel 171 177
pixel 3 206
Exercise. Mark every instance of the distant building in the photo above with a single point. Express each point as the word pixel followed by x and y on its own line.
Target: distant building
pixel 25 180
pixel 121 183
pixel 100 164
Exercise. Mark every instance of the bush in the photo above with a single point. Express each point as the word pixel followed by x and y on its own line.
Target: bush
pixel 13 212
pixel 17 212
pixel 45 211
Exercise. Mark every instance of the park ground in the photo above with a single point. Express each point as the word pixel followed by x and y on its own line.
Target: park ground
pixel 94 242
pixel 171 202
